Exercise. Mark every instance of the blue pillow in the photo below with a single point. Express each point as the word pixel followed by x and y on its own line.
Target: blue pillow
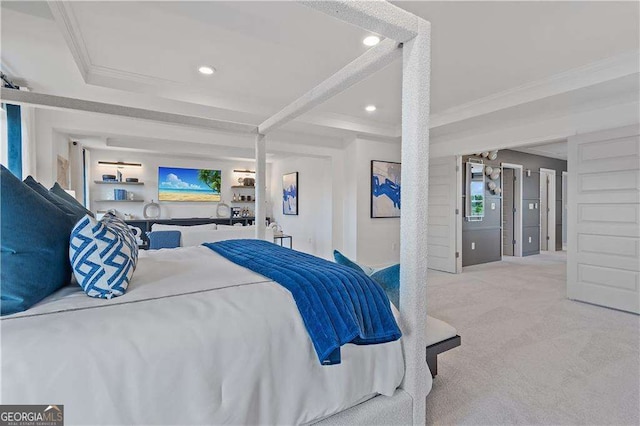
pixel 103 255
pixel 389 280
pixel 164 239
pixel 35 245
pixel 71 202
pixel 52 198
pixel 344 260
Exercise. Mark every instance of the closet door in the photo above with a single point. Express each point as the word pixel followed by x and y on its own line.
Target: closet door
pixel 442 219
pixel 603 258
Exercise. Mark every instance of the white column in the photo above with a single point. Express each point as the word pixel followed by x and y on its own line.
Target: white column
pixel 261 186
pixel 413 223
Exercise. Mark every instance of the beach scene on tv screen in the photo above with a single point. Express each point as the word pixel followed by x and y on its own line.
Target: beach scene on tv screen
pixel 178 184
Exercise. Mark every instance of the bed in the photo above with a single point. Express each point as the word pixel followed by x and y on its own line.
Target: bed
pixel 180 358
pixel 196 339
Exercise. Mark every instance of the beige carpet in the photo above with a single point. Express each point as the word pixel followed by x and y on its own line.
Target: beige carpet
pixel 529 355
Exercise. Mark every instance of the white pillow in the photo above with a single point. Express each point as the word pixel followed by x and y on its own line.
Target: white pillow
pixel 239 233
pixel 236 226
pixel 183 228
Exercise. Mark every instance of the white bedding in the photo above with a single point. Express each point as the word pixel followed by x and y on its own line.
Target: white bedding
pixel 196 340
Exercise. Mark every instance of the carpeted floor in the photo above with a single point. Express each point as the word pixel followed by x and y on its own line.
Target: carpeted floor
pixel 529 355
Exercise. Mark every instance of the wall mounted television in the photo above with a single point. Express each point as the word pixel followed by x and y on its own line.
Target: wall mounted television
pixel 197 185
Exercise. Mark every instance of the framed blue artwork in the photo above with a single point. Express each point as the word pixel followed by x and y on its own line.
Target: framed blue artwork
pixel 290 194
pixel 385 189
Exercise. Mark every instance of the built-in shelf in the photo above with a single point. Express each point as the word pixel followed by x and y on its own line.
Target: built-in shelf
pixel 108 182
pixel 119 201
pixel 240 201
pixel 243 186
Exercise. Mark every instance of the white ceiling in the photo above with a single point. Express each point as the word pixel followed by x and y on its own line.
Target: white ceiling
pixel 268 53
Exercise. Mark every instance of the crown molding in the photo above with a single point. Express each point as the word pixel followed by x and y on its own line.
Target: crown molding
pixel 68 24
pixel 573 79
pixel 98 72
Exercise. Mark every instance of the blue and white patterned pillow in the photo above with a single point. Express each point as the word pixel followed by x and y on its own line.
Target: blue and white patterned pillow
pixel 103 255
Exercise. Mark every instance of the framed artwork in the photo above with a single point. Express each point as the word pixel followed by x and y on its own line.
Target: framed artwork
pixel 385 189
pixel 177 184
pixel 63 173
pixel 290 194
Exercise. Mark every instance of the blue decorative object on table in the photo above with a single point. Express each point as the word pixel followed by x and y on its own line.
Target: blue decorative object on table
pixel 103 255
pixel 35 245
pixel 338 304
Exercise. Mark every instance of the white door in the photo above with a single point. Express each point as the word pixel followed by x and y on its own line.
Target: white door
pixel 603 257
pixel 443 203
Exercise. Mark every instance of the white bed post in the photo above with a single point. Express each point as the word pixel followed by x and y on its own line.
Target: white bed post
pixel 416 66
pixel 261 186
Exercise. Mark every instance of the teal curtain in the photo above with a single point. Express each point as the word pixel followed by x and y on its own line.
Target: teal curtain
pixel 14 140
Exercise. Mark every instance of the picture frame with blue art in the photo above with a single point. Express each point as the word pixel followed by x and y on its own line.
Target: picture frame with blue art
pixel 290 194
pixel 385 189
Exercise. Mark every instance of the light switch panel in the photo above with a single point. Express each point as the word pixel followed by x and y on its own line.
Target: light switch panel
pixel 473 246
pixel 530 206
pixel 493 206
pixel 529 239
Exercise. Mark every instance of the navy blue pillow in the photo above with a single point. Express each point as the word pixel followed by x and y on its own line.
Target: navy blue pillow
pixel 53 199
pixel 164 239
pixel 389 280
pixel 72 203
pixel 34 246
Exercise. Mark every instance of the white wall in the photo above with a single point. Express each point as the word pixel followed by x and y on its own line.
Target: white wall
pixel 376 241
pixel 507 135
pixel 312 228
pixel 148 174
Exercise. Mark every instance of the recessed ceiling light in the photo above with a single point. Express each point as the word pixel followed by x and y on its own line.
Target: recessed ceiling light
pixel 370 108
pixel 371 40
pixel 206 70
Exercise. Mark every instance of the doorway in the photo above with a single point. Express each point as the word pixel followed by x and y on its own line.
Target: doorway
pixel 511 209
pixel 547 210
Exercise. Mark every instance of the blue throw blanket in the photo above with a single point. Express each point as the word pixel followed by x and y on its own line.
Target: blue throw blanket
pixel 338 304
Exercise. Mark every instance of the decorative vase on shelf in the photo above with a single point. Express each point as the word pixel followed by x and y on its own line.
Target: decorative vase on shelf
pixel 151 210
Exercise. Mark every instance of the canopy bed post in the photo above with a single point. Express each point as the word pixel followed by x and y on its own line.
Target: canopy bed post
pixel 416 65
pixel 261 177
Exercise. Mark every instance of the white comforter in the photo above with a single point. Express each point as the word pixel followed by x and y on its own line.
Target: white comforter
pixel 196 340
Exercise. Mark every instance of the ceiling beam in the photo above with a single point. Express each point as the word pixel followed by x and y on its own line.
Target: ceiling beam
pixel 21 97
pixel 379 17
pixel 354 72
